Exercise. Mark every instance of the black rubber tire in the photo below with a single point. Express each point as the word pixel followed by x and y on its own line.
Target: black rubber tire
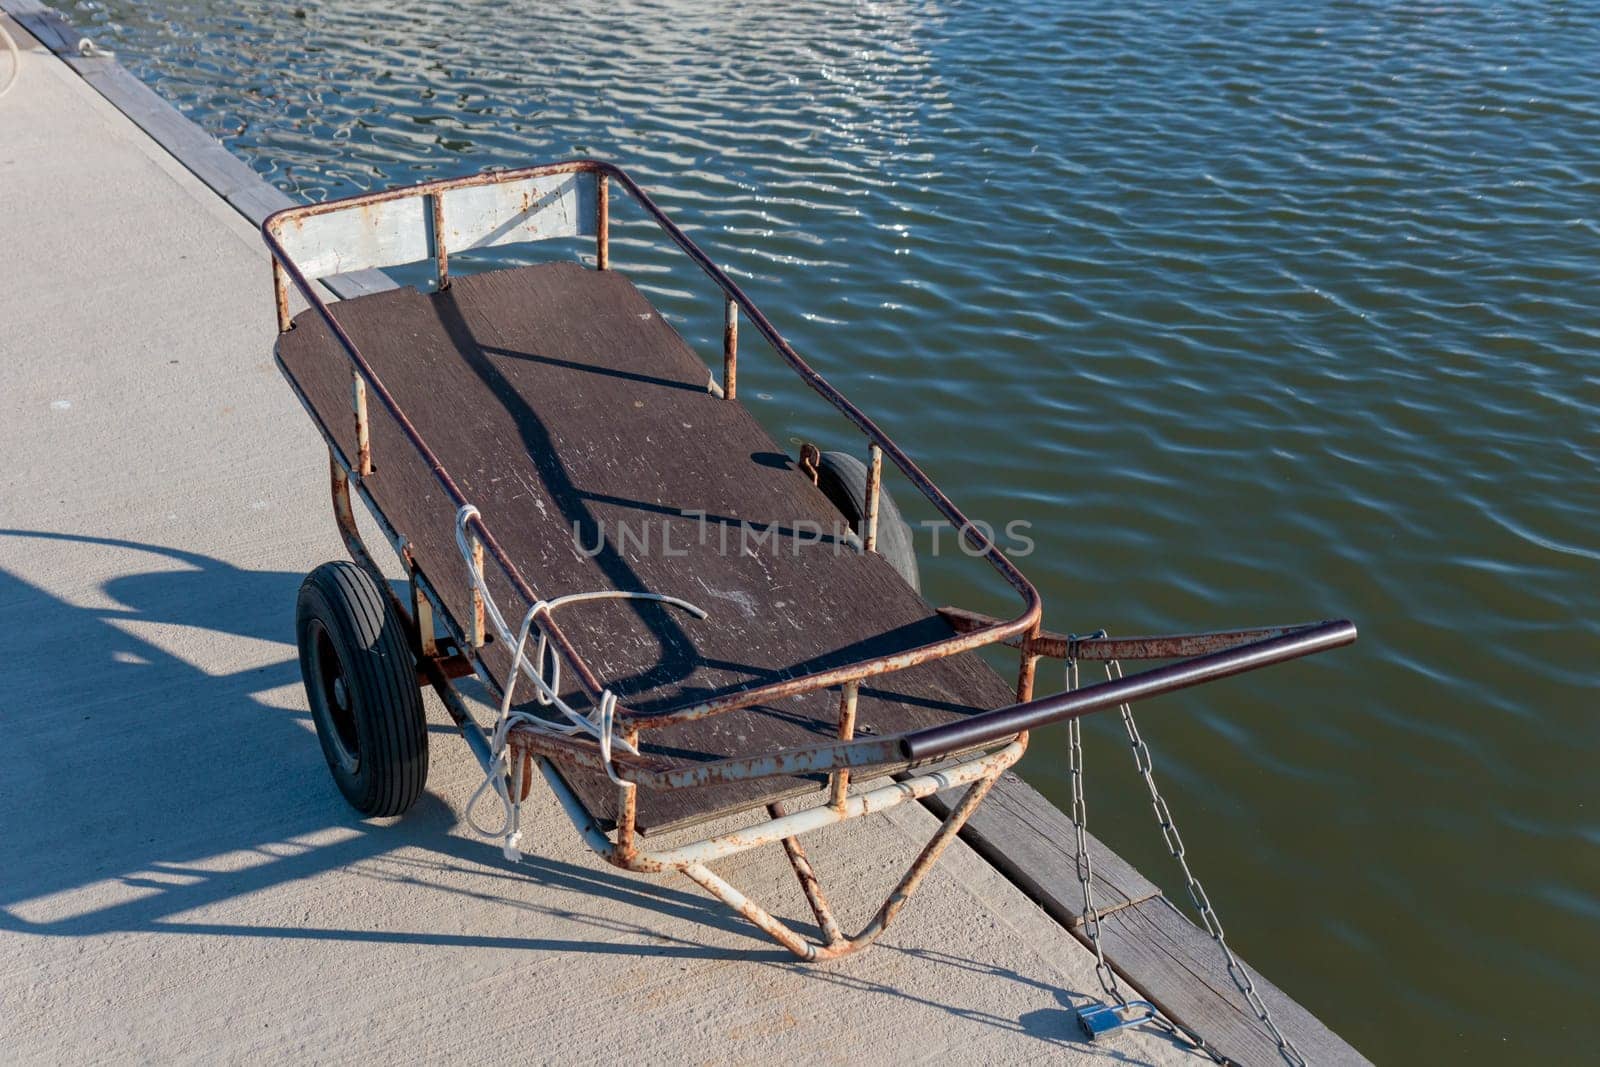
pixel 361 681
pixel 843 480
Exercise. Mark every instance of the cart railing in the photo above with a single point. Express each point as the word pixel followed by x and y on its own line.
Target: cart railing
pixel 429 221
pixel 1235 652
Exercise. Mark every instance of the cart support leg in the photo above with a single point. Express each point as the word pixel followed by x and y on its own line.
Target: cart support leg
pixel 979 777
pixel 476 634
pixel 774 928
pixel 810 884
pixel 836 944
pixel 344 514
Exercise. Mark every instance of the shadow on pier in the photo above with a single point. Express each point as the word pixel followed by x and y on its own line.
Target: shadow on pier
pixel 137 787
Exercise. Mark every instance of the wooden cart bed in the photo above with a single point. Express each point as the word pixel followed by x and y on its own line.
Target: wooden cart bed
pixel 564 405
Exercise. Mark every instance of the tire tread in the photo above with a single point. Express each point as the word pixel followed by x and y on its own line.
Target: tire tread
pixel 381 670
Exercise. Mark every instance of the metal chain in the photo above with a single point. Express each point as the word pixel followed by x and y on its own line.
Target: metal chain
pixel 1080 825
pixel 1085 866
pixel 1197 893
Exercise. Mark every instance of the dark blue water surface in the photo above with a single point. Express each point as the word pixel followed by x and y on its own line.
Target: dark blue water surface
pixel 1256 314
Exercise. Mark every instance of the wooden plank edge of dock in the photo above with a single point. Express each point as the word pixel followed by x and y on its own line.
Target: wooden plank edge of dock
pixel 1151 945
pixel 201 154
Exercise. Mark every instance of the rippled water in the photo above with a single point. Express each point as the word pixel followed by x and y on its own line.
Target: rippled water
pixel 1257 314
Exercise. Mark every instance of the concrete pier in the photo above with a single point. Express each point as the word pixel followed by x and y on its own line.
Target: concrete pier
pixel 179 878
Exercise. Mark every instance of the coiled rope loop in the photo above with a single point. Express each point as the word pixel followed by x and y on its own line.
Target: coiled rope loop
pixel 544 670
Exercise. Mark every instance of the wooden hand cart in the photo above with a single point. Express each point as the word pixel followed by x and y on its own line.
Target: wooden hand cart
pixel 510 430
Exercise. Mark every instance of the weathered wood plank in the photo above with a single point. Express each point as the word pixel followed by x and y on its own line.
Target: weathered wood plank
pixel 224 173
pixel 359 283
pixel 1031 841
pixel 198 150
pixel 255 202
pixel 1168 959
pixel 1178 967
pixel 46 25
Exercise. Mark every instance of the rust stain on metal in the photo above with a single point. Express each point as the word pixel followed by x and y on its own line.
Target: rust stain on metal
pixel 839 787
pixel 810 884
pixel 477 638
pixel 810 460
pixel 1102 648
pixel 280 292
pixel 602 221
pixel 869 521
pixel 441 243
pixel 358 402
pixel 730 349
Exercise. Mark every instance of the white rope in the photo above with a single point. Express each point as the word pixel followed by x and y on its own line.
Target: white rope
pixel 16 61
pixel 86 48
pixel 545 672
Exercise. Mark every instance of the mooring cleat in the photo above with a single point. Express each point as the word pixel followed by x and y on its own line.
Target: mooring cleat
pixel 1098 1019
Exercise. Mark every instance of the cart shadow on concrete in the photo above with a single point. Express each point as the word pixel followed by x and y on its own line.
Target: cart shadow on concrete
pixel 138 786
pixel 194 765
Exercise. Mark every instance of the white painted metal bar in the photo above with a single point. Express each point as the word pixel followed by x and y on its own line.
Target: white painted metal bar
pixel 387 233
pixel 801 822
pixel 532 209
pixel 881 799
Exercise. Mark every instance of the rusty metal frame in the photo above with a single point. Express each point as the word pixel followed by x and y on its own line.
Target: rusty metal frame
pixel 978 775
pixel 1101 648
pixel 1225 653
pixel 528 747
pixel 991 742
pixel 285 271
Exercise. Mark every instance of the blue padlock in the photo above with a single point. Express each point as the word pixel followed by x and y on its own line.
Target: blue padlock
pixel 1098 1019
